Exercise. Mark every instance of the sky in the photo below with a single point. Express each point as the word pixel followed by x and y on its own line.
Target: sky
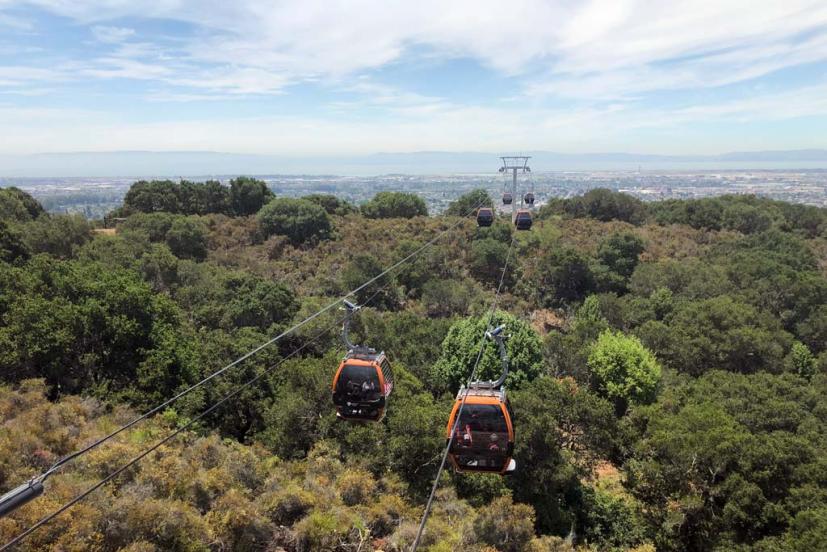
pixel 334 77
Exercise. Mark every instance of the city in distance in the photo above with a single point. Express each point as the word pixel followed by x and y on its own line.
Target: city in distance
pixel 95 183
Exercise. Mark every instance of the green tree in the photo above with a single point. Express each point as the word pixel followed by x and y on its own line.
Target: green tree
pixel 747 219
pixel 448 297
pixel 813 330
pixel 57 235
pixel 12 246
pixel 801 360
pixel 729 457
pixel 395 205
pixel 248 195
pixel 382 293
pixel 718 333
pixel 187 239
pixel 152 196
pixel 17 205
pixel 462 345
pixel 621 252
pixel 154 225
pixel 554 418
pixel 565 276
pixel 601 204
pixel 467 204
pixel 624 371
pixel 332 204
pixel 298 219
pixel 488 261
pixel 88 326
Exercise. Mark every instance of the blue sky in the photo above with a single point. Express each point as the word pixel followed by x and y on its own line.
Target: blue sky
pixel 353 77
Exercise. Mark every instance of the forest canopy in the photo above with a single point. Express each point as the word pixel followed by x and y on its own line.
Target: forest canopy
pixel 668 371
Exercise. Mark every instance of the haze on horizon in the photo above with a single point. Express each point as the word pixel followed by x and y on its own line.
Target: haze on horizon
pixel 345 79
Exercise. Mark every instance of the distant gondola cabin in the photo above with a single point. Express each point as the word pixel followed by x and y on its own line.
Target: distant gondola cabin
pixel 485 216
pixel 522 220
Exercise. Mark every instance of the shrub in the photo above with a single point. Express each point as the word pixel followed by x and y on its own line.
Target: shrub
pixel 248 195
pixel 187 239
pixel 395 204
pixel 355 487
pixel 298 219
pixel 506 525
pixel 288 505
pixel 467 204
pixel 625 371
pixel 57 235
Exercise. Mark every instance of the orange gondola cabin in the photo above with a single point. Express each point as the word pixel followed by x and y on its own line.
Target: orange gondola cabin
pixel 480 432
pixel 484 434
pixel 362 385
pixel 363 381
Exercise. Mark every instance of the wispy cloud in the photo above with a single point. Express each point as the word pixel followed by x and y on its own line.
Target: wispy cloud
pixel 583 71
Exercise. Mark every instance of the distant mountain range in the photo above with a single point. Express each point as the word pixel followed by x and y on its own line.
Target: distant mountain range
pixel 205 163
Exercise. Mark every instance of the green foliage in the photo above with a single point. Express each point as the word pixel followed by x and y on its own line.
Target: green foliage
pixel 730 295
pixel 601 204
pixel 721 458
pixel 462 345
pixel 244 196
pixel 813 330
pixel 802 361
pixel 12 246
pixel 487 261
pixel 554 418
pixel 467 204
pixel 381 293
pixel 507 526
pixel 57 235
pixel 620 252
pixel 187 239
pixel 154 225
pixel 332 204
pixel 625 372
pixel 79 325
pixel 300 220
pixel 395 205
pixel 18 206
pixel 248 195
pixel 717 334
pixel 611 521
pixel 448 297
pixel 565 276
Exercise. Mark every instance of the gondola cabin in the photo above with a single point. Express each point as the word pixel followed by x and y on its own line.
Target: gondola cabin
pixel 485 216
pixel 529 198
pixel 484 436
pixel 362 385
pixel 522 220
pixel 507 198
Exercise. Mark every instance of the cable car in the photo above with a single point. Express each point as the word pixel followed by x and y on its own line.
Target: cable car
pixel 529 198
pixel 363 381
pixel 522 220
pixel 480 433
pixel 507 198
pixel 485 216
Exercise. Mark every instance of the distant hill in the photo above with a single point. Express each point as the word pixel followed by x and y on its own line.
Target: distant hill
pixel 190 163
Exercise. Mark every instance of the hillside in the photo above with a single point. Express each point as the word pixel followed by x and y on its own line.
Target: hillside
pixel 668 383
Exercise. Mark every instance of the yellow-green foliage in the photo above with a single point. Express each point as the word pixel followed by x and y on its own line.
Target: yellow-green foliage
pixel 202 492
